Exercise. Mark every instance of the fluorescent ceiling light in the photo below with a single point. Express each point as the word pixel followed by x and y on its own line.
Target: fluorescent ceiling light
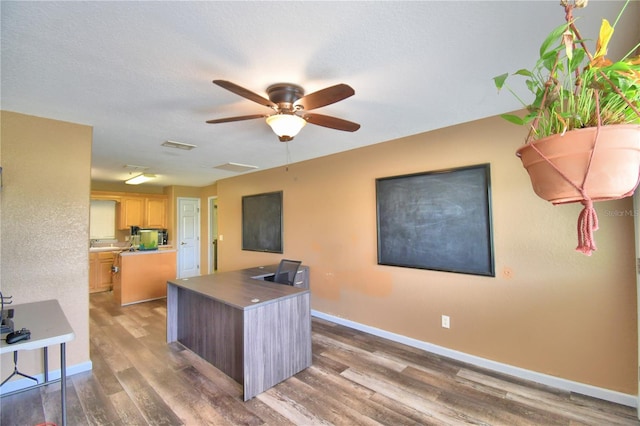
pixel 286 126
pixel 137 180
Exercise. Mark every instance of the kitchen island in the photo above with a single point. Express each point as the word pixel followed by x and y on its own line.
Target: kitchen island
pixel 256 332
pixel 140 276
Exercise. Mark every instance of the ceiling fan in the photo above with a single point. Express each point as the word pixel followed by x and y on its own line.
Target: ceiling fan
pixel 290 107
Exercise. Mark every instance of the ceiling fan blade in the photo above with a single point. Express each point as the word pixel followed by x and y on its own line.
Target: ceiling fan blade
pixel 325 97
pixel 245 93
pixel 331 122
pixel 238 118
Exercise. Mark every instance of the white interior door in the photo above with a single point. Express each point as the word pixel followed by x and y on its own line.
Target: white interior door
pixel 188 243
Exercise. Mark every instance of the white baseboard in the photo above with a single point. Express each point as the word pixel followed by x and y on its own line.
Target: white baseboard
pixel 15 385
pixel 556 382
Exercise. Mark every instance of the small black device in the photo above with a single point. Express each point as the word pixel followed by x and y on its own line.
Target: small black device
pixel 18 336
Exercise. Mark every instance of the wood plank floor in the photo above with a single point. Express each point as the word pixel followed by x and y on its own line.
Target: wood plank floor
pixel 356 379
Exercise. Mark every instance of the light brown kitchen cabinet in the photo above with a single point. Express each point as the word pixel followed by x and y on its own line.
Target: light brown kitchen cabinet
pixel 100 276
pixel 145 212
pixel 93 272
pixel 156 212
pixel 131 211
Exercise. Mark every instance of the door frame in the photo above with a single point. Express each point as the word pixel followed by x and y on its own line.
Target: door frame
pixel 212 223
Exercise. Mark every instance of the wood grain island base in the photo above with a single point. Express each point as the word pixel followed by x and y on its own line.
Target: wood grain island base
pixel 143 275
pixel 256 332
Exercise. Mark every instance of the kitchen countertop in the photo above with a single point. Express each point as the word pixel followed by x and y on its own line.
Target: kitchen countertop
pixel 139 252
pixel 103 249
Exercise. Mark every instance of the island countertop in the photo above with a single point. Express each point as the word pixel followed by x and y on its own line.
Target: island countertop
pixel 119 248
pixel 242 289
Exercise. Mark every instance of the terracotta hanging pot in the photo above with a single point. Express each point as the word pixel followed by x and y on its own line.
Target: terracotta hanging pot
pixel 614 170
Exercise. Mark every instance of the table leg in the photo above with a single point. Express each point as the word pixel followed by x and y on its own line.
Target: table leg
pixel 63 382
pixel 46 364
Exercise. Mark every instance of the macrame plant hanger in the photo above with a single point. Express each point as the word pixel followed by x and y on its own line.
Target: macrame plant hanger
pixel 588 218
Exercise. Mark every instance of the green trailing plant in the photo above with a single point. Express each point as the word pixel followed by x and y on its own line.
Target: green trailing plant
pixel 573 89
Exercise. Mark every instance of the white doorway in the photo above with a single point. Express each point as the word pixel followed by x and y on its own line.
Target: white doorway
pixel 213 234
pixel 188 242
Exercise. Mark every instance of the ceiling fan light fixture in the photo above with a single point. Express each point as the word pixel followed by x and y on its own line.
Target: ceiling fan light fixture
pixel 286 126
pixel 137 180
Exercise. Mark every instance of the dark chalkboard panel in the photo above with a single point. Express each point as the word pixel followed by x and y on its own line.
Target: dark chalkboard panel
pixel 262 222
pixel 437 220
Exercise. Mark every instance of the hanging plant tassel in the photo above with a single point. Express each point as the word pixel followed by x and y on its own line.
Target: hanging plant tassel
pixel 587 225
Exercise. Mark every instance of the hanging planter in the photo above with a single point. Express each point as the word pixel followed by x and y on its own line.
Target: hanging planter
pixel 560 165
pixel 584 139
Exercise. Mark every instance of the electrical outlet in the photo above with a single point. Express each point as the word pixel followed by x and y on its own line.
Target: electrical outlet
pixel 446 322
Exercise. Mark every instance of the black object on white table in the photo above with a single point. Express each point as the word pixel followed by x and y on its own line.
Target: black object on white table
pixel 17 336
pixel 47 325
pixel 14 337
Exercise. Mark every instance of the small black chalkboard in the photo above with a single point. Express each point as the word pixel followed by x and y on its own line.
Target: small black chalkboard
pixel 262 222
pixel 438 220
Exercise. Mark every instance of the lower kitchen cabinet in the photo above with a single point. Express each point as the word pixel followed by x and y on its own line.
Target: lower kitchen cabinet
pixel 100 276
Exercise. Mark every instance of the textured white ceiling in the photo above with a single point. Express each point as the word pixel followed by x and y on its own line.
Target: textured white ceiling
pixel 140 72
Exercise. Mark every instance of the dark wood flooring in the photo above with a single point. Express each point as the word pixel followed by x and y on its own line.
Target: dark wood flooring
pixel 356 379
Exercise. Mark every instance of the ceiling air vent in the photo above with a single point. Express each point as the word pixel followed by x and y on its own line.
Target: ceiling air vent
pixel 179 145
pixel 134 167
pixel 235 167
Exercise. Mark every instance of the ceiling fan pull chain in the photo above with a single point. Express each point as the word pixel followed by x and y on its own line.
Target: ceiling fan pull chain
pixel 288 157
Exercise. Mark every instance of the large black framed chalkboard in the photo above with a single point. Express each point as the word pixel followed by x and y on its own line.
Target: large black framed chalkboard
pixel 439 220
pixel 262 222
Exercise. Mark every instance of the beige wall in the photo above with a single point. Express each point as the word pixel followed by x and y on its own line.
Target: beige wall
pixel 549 309
pixel 45 200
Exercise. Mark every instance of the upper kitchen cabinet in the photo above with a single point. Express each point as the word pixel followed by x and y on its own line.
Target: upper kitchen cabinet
pixel 136 209
pixel 131 212
pixel 156 212
pixel 145 212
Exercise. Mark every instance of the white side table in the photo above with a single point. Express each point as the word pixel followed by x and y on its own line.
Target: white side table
pixel 48 326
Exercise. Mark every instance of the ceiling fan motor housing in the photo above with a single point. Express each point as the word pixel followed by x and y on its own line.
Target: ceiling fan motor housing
pixel 285 94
